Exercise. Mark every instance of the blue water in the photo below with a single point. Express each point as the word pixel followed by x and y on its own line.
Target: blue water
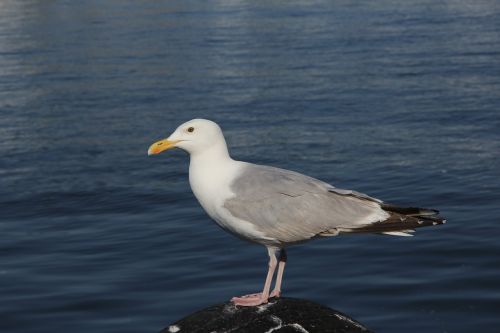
pixel 397 99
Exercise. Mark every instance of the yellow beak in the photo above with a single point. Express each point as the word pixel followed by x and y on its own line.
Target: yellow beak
pixel 160 146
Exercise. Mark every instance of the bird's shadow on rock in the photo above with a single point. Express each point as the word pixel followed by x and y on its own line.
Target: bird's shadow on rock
pixel 280 315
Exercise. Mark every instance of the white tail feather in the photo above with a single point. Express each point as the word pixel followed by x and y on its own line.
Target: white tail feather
pixel 398 233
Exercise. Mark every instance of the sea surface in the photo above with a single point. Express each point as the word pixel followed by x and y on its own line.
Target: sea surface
pixel 396 99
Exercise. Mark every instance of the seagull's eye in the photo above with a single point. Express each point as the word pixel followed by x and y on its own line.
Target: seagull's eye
pixel 191 129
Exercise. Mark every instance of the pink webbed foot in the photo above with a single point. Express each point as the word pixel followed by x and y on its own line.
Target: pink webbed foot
pixel 263 297
pixel 249 300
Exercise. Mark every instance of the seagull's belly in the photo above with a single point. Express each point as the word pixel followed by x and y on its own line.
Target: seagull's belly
pixel 236 226
pixel 243 229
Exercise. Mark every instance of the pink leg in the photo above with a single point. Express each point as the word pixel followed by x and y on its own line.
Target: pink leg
pixel 260 298
pixel 281 268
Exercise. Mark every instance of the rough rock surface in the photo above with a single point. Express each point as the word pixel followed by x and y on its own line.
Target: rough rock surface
pixel 283 315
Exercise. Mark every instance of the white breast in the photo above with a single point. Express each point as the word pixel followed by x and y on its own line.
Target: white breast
pixel 211 184
pixel 210 181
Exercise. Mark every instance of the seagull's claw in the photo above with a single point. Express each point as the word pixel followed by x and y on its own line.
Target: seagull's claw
pixel 250 300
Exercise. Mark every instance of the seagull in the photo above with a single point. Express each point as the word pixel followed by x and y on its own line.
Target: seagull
pixel 276 207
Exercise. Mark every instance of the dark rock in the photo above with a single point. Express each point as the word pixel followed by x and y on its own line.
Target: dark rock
pixel 280 315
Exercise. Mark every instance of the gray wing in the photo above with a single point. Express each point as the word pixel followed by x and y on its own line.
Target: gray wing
pixel 292 207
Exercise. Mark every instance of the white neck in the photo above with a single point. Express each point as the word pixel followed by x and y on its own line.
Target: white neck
pixel 210 171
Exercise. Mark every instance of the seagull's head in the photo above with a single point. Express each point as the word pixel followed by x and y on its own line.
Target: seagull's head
pixel 194 136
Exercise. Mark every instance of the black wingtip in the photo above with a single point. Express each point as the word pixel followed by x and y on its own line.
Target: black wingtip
pixel 410 211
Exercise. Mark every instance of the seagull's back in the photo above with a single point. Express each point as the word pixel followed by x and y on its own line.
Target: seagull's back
pixel 290 207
